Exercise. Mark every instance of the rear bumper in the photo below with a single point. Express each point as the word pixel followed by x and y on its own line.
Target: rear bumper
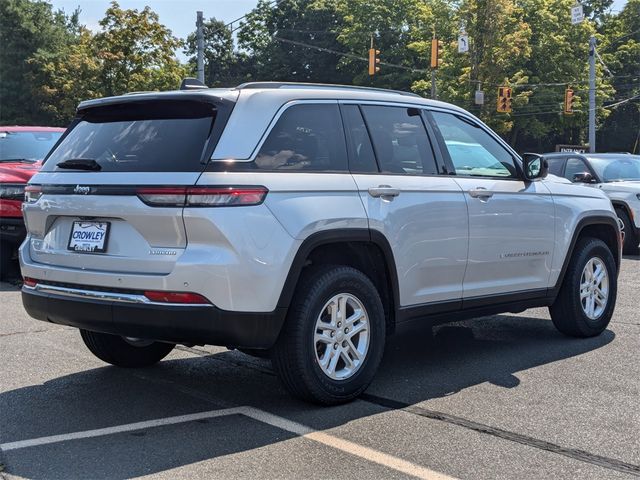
pixel 12 230
pixel 189 324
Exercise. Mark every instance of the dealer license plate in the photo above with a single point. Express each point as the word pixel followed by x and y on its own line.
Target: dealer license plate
pixel 89 236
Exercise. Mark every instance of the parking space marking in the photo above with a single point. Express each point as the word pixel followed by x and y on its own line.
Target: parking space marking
pixel 276 421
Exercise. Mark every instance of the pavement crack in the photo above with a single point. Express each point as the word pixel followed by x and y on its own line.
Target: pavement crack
pixel 24 332
pixel 574 453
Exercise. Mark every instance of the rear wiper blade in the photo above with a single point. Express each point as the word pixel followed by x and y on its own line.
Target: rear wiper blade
pixel 80 164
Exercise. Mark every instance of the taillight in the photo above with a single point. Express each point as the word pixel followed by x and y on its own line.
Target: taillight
pixel 32 193
pixel 29 282
pixel 202 196
pixel 176 297
pixel 12 191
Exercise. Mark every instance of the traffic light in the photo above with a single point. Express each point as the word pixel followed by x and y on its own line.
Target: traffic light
pixel 504 100
pixel 374 60
pixel 568 101
pixel 436 53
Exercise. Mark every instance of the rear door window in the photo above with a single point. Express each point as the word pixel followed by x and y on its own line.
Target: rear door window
pixel 400 140
pixel 361 156
pixel 306 137
pixel 160 136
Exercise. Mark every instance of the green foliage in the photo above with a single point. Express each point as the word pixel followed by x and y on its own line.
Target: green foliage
pixel 27 28
pixel 49 62
pixel 136 52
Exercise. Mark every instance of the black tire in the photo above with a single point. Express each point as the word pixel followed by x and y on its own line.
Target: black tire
pixel 255 352
pixel 294 355
pixel 567 312
pixel 117 351
pixel 631 244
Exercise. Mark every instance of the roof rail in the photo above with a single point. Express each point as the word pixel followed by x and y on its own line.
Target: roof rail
pixel 192 84
pixel 253 85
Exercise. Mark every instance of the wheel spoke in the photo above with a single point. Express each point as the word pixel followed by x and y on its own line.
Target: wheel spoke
pixel 357 330
pixel 331 368
pixel 323 337
pixel 353 350
pixel 348 361
pixel 354 317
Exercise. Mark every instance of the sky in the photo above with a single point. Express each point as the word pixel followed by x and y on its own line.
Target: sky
pixel 178 15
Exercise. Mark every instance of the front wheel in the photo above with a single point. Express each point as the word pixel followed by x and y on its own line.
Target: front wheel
pixel 587 297
pixel 123 352
pixel 333 339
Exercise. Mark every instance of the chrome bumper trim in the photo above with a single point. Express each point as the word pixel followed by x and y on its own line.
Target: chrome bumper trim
pixel 104 296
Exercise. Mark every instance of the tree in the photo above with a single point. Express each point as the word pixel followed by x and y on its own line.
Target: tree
pixel 136 52
pixel 620 48
pixel 65 78
pixel 27 28
pixel 273 37
pixel 223 66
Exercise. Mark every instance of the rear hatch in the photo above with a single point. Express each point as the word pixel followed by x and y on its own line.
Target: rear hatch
pixel 110 196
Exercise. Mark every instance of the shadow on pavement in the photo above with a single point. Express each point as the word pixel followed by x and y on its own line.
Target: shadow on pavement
pixel 419 365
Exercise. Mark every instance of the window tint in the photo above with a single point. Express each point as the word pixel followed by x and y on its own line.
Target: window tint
pixel 166 136
pixel 361 156
pixel 473 151
pixel 574 166
pixel 306 137
pixel 400 140
pixel 555 165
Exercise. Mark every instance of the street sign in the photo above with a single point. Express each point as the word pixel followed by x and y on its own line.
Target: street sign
pixel 572 148
pixel 577 15
pixel 479 97
pixel 463 43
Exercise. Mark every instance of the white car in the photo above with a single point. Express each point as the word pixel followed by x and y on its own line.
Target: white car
pixel 308 221
pixel 616 174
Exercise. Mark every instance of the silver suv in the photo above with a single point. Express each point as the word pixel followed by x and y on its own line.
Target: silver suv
pixel 306 221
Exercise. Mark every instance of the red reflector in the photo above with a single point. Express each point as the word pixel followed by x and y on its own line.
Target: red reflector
pixel 175 297
pixel 29 282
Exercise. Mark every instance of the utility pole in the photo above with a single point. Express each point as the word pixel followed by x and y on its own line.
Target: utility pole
pixel 433 84
pixel 200 46
pixel 592 94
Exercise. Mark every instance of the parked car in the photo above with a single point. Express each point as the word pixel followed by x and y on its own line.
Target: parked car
pixel 308 221
pixel 616 174
pixel 21 152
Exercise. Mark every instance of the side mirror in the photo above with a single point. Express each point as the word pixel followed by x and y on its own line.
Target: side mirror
pixel 535 166
pixel 583 177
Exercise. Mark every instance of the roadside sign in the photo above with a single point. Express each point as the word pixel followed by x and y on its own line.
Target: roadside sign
pixel 479 97
pixel 463 43
pixel 577 14
pixel 572 148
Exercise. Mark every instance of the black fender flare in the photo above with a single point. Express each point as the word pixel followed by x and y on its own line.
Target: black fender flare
pixel 340 235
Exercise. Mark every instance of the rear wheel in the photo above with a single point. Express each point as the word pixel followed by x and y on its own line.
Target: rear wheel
pixel 587 297
pixel 333 340
pixel 123 352
pixel 631 242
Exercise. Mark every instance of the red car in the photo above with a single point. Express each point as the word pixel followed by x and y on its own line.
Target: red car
pixel 21 152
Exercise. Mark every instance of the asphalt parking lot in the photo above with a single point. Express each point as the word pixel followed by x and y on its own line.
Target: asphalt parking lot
pixel 499 397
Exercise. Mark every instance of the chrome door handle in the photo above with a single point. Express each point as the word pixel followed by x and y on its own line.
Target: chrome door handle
pixel 480 192
pixel 384 191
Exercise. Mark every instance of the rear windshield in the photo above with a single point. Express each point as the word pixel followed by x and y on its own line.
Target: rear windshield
pixel 165 136
pixel 32 146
